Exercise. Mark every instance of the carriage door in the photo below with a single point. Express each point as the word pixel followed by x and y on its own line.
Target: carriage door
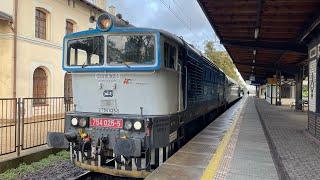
pixel 173 68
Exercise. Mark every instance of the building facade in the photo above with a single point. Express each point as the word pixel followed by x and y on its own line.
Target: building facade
pixel 31 37
pixel 314 81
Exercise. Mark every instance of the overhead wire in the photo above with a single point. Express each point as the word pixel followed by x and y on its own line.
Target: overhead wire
pixel 181 20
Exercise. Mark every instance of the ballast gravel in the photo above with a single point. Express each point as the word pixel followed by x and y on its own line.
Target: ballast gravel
pixel 60 170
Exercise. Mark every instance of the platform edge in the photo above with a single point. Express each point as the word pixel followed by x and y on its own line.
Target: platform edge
pixel 211 169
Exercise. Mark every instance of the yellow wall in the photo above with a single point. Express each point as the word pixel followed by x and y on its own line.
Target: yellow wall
pixel 6 67
pixel 33 52
pixel 7 6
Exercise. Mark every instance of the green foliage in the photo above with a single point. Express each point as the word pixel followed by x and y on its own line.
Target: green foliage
pixel 305 91
pixel 24 168
pixel 222 60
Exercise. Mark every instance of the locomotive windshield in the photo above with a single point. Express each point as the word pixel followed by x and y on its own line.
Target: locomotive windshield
pixel 86 52
pixel 131 50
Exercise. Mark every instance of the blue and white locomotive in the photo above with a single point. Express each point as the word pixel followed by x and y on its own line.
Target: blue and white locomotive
pixel 136 93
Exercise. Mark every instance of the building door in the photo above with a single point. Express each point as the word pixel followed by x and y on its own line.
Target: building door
pixel 68 86
pixel 40 84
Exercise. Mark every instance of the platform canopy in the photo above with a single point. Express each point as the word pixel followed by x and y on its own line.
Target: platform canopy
pixel 263 36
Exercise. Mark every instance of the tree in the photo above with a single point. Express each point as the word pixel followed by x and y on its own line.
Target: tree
pixel 222 60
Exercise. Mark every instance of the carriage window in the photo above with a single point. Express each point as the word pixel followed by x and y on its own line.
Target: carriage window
pixel 169 55
pixel 86 52
pixel 131 50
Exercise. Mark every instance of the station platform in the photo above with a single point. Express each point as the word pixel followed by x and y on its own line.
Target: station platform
pixel 251 140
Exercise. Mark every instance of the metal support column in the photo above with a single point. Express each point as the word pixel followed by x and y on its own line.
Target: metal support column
pixel 278 88
pixel 299 79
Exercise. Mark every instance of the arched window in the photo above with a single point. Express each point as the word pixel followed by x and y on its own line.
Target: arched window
pixel 67 86
pixel 41 24
pixel 70 26
pixel 40 85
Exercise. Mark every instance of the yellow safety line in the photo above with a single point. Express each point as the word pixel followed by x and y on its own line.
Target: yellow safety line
pixel 213 165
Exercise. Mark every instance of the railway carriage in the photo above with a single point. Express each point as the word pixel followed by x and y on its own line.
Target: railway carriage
pixel 136 91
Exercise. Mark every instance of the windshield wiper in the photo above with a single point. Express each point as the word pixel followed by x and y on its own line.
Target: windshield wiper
pixel 122 62
pixel 84 65
pixel 126 64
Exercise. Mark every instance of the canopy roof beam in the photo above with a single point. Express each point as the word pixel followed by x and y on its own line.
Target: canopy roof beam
pixel 309 27
pixel 266 45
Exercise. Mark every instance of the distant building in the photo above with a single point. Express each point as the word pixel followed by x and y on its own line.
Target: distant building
pixel 41 26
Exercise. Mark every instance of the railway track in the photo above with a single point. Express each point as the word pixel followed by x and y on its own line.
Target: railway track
pixel 98 176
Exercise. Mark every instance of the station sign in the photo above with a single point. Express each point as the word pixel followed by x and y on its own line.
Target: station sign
pixel 313 73
pixel 272 80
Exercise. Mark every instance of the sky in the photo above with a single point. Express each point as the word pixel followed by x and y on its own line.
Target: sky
pixel 181 17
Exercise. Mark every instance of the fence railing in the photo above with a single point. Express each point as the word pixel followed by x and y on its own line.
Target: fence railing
pixel 24 122
pixel 8 125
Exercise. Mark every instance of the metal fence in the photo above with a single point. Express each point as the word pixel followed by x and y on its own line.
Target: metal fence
pixel 24 122
pixel 8 125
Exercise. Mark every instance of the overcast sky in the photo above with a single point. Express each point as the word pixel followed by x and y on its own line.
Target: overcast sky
pixel 181 17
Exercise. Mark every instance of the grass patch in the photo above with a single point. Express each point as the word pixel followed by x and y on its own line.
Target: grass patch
pixel 24 168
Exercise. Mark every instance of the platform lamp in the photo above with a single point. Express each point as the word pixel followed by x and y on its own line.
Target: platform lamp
pixel 256 33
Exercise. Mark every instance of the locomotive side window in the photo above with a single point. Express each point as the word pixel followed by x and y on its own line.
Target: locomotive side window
pixel 86 51
pixel 169 55
pixel 131 50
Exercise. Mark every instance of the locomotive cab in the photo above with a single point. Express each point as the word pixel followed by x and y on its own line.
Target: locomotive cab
pixel 137 93
pixel 125 81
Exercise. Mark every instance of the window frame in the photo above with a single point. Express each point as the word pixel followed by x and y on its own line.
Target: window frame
pixel 67 63
pixel 105 67
pixel 175 63
pixel 286 91
pixel 137 65
pixel 37 100
pixel 39 20
pixel 68 21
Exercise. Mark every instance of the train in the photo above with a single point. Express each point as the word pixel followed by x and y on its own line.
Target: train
pixel 137 93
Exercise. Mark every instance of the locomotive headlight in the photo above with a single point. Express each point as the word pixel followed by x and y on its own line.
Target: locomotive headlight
pixel 127 125
pixel 137 125
pixel 104 22
pixel 74 121
pixel 83 122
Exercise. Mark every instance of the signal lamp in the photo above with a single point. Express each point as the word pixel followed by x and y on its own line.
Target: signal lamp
pixel 137 125
pixel 104 22
pixel 83 122
pixel 74 121
pixel 127 125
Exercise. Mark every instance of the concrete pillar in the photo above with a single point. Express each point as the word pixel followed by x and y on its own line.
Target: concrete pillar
pixel 299 79
pixel 278 88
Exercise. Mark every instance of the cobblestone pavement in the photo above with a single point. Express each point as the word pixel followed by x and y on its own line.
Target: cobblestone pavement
pixel 251 158
pixel 299 155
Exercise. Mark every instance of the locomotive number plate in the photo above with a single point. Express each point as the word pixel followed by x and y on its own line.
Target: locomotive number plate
pixel 107 122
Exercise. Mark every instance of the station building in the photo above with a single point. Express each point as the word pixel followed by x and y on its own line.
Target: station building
pixel 31 35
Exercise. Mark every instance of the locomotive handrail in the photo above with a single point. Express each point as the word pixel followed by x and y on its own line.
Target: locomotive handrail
pixel 186 89
pixel 179 94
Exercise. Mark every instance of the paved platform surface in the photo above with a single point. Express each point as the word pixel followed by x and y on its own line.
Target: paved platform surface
pixel 191 161
pixel 297 153
pixel 267 142
pixel 251 158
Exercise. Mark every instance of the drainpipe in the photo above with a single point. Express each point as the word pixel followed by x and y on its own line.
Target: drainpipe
pixel 15 29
